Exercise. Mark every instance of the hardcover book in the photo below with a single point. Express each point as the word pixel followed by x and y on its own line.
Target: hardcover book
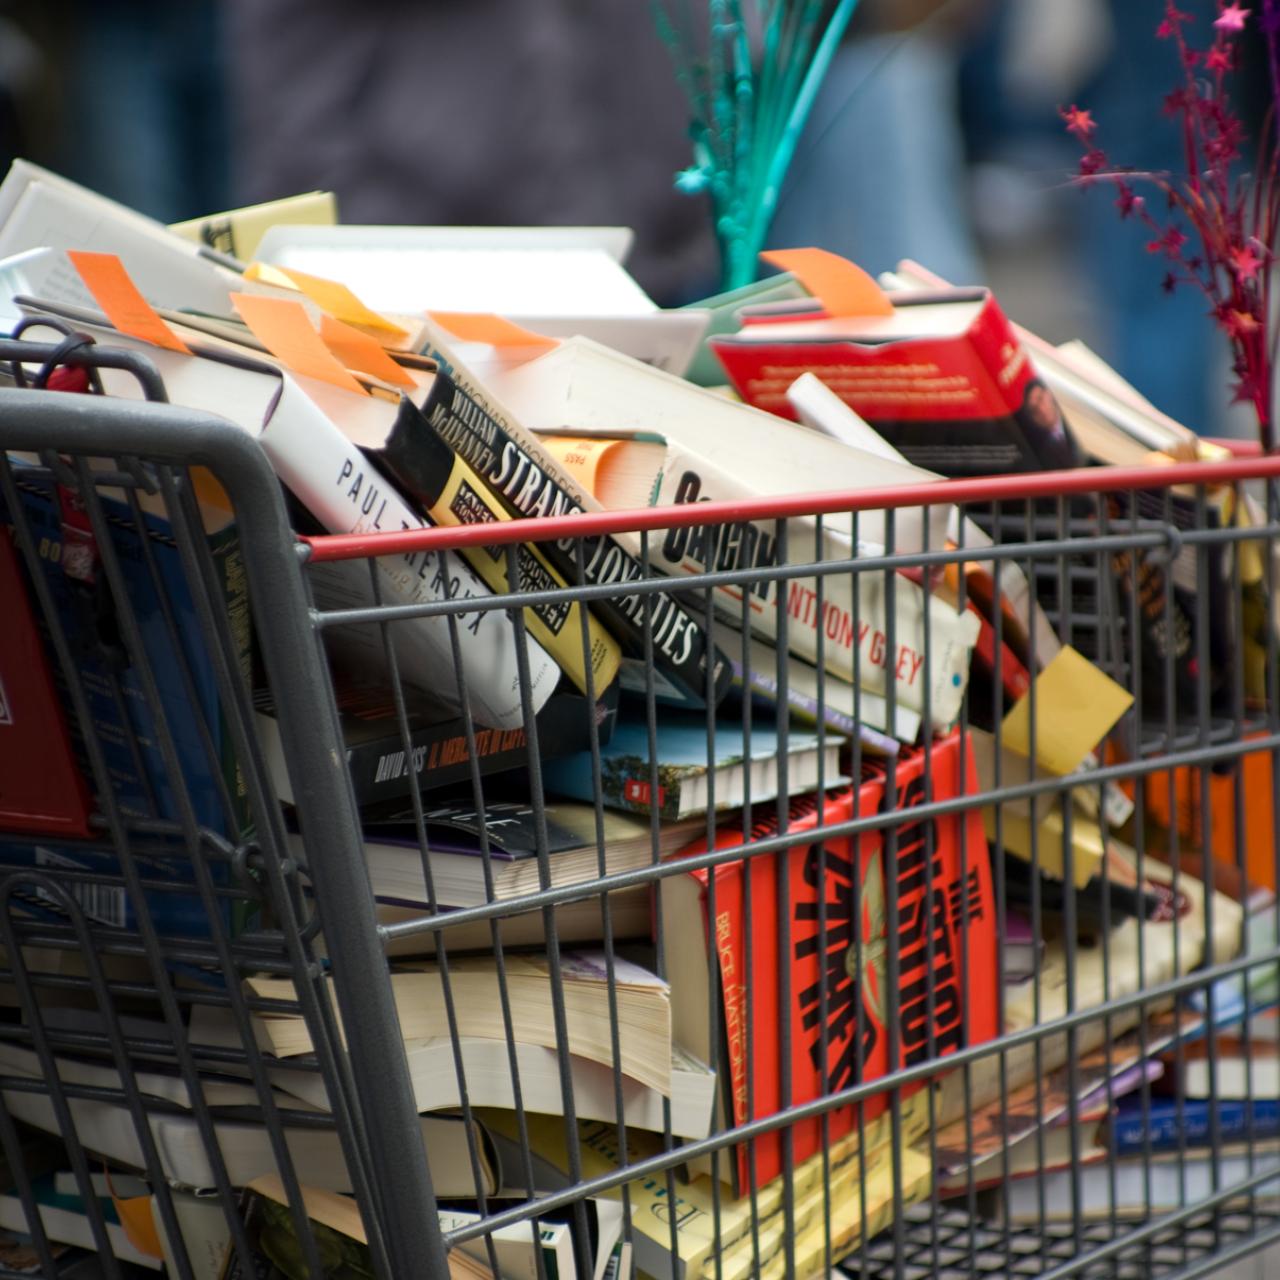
pixel 41 786
pixel 122 718
pixel 844 626
pixel 944 379
pixel 681 661
pixel 311 432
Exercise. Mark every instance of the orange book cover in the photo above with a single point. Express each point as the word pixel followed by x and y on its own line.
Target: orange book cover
pixel 1180 807
pixel 797 966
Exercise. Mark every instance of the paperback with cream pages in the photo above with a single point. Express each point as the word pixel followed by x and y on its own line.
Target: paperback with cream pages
pixel 643 1009
pixel 486 1066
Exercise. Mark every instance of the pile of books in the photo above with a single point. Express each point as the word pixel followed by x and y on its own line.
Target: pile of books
pixel 766 692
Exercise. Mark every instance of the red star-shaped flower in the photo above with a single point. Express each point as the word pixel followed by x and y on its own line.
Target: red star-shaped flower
pixel 1232 18
pixel 1092 162
pixel 1218 58
pixel 1240 324
pixel 1129 202
pixel 1245 262
pixel 1080 123
pixel 1172 24
pixel 1170 243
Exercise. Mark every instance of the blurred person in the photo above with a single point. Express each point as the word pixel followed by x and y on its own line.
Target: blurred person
pixel 1103 55
pixel 23 69
pixel 491 112
pixel 140 102
pixel 881 174
pixel 1165 344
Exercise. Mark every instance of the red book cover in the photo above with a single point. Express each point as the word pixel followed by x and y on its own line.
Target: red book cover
pixel 932 902
pixel 41 788
pixel 945 380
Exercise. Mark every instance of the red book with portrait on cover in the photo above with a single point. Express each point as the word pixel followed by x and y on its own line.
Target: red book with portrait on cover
pixel 800 1012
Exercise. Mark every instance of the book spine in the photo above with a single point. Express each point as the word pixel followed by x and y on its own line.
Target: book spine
pixel 89 875
pixel 349 494
pixel 452 494
pixel 228 561
pixel 1162 594
pixel 527 482
pixel 1167 1130
pixel 120 717
pixel 870 723
pixel 848 626
pixel 439 755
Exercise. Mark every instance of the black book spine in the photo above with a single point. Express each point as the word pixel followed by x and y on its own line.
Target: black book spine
pixel 438 757
pixel 1165 591
pixel 682 649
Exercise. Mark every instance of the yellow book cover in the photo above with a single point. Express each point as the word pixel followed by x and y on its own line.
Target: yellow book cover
pixel 239 231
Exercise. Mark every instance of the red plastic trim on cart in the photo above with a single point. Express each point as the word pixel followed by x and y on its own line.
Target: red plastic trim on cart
pixel 1012 488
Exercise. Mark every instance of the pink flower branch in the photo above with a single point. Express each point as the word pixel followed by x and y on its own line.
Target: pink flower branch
pixel 1233 216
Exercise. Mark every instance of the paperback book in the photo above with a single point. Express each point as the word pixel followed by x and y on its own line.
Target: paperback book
pixel 697 769
pixel 827 975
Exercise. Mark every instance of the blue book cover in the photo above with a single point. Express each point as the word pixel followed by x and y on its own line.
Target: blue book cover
pixel 123 722
pixel 686 758
pixel 1169 1123
pixel 90 875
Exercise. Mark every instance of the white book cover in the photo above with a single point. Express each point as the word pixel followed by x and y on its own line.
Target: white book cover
pixel 822 410
pixel 513 1246
pixel 40 209
pixel 556 281
pixel 346 492
pixel 583 388
pixel 931 642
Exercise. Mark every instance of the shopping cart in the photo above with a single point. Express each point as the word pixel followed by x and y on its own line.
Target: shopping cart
pixel 901 1165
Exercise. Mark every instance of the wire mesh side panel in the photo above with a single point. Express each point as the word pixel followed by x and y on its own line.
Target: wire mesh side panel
pixel 904 955
pixel 158 917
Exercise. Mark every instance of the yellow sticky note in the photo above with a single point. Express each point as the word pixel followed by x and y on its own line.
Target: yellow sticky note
pixel 357 350
pixel 480 326
pixel 843 288
pixel 330 295
pixel 1076 707
pixel 284 328
pixel 265 273
pixel 121 301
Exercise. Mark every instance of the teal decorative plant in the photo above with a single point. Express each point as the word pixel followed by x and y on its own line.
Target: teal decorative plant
pixel 751 70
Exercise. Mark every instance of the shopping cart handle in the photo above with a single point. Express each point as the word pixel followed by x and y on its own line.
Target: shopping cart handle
pixel 88 356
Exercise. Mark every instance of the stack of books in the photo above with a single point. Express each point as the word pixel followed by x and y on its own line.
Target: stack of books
pixel 785 707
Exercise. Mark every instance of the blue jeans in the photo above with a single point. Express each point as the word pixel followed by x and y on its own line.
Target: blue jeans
pixel 880 172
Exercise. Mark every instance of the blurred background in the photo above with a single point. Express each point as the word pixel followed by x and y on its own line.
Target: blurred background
pixel 936 137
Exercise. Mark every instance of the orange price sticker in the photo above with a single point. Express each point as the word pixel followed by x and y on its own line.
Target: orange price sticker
pixel 285 329
pixel 357 350
pixel 843 288
pixel 481 326
pixel 121 301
